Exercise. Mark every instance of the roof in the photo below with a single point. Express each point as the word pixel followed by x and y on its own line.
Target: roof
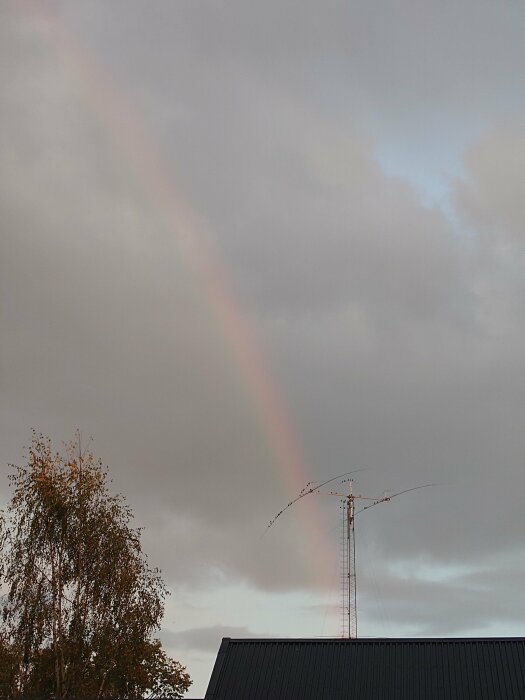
pixel 375 669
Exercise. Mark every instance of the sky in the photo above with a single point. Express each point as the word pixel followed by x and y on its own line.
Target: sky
pixel 245 246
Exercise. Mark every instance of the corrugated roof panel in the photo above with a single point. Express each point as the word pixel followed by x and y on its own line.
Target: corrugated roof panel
pixel 374 669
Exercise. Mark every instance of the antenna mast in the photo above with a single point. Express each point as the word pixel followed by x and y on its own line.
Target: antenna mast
pixel 348 569
pixel 348 510
pixel 348 566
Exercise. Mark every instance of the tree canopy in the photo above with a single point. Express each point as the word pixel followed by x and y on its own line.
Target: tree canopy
pixel 81 604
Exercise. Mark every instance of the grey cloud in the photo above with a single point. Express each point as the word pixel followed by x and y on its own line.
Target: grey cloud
pixel 203 638
pixel 199 554
pixel 419 75
pixel 396 339
pixel 404 51
pixel 104 325
pixel 464 604
pixel 492 197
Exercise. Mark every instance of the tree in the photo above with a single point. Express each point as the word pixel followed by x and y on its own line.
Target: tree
pixel 82 603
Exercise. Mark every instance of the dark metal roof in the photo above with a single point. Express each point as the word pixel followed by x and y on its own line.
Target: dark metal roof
pixel 369 669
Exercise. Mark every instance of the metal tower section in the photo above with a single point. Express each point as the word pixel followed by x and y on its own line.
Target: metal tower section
pixel 343 571
pixel 351 573
pixel 347 579
pixel 348 562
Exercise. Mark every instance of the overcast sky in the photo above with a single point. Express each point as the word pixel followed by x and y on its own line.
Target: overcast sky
pixel 248 245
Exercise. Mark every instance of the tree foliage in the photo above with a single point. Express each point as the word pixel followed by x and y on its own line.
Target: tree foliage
pixel 82 604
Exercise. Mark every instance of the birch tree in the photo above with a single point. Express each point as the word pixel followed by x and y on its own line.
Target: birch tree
pixel 82 604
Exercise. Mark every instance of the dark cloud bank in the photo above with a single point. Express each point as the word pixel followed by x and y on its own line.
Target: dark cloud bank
pixel 394 330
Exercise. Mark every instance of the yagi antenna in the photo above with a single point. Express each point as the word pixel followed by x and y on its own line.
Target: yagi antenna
pixel 311 487
pixel 348 567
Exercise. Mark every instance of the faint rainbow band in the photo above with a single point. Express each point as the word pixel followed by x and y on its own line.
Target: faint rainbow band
pixel 128 132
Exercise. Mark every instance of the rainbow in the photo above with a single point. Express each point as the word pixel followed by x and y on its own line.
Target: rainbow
pixel 137 147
